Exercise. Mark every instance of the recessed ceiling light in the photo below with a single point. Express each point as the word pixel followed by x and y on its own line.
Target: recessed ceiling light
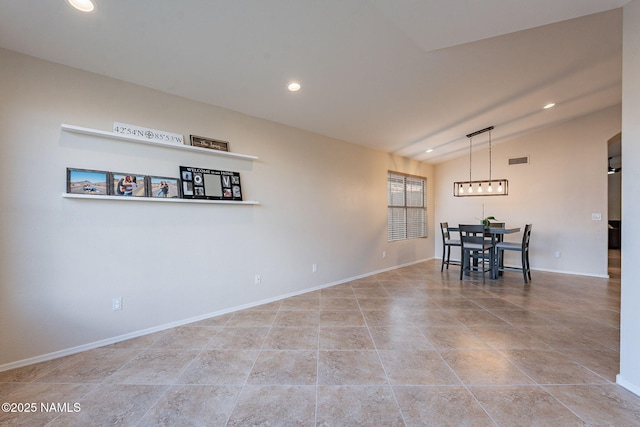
pixel 82 5
pixel 550 105
pixel 429 150
pixel 294 86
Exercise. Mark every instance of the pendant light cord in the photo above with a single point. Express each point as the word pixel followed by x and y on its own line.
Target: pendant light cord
pixel 489 157
pixel 470 140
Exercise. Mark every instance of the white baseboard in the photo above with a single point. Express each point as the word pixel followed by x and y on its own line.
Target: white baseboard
pixel 136 334
pixel 633 388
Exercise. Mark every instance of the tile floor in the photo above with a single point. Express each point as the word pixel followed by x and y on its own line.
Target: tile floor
pixel 412 347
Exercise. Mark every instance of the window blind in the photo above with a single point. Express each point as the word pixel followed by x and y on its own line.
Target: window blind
pixel 406 206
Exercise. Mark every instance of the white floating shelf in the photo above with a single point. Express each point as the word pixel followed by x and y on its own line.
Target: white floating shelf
pixel 117 136
pixel 157 199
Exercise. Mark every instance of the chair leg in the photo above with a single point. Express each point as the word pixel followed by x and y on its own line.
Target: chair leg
pixel 528 266
pixel 448 256
pixel 444 250
pixel 524 266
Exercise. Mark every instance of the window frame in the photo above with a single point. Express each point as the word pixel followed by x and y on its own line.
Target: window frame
pixel 406 220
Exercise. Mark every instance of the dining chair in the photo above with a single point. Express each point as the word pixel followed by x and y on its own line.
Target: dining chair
pixel 477 252
pixel 523 248
pixel 447 243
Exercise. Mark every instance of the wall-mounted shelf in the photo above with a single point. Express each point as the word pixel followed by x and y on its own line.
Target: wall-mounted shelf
pixel 155 199
pixel 117 136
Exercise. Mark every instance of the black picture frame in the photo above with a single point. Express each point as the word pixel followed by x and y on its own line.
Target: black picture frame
pixel 88 182
pixel 127 184
pixel 162 187
pixel 213 144
pixel 210 184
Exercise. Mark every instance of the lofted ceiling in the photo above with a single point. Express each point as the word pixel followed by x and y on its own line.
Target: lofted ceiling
pixel 399 76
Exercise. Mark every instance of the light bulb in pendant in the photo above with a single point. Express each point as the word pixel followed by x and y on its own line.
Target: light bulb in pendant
pixel 489 189
pixel 470 189
pixel 500 188
pixel 479 188
pixel 461 189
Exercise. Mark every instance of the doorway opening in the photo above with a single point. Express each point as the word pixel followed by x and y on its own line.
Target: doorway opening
pixel 614 176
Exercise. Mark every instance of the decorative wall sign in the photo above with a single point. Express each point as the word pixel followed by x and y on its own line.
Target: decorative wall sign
pixel 128 185
pixel 163 187
pixel 198 183
pixel 148 134
pixel 214 144
pixel 90 182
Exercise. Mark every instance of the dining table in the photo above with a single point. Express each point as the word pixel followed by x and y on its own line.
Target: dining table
pixel 496 234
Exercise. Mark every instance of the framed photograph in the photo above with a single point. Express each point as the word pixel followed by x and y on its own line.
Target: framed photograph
pixel 210 184
pixel 163 188
pixel 127 185
pixel 90 182
pixel 214 144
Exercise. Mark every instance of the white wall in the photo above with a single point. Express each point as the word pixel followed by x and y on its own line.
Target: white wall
pixel 629 376
pixel 322 201
pixel 564 183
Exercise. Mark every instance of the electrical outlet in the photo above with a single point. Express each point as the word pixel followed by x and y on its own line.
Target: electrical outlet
pixel 384 254
pixel 116 304
pixel 596 217
pixel 314 268
pixel 258 279
pixel 557 254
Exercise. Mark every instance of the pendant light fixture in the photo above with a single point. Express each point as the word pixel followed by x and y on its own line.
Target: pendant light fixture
pixel 483 187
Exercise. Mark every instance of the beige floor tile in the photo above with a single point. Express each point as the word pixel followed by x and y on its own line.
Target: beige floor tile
pixel 429 318
pixel 112 404
pixel 240 338
pixel 411 346
pixel 186 337
pixel 275 406
pixel 252 318
pixel 297 318
pixel 345 338
pixel 153 367
pixel 607 405
pixel 357 406
pixel 342 303
pixel 383 318
pixel 452 337
pixel 495 303
pixel 524 406
pixel 373 304
pixel 230 367
pixel 506 337
pixel 483 367
pixel 92 366
pixel 285 367
pixel 193 405
pixel 458 304
pixel 350 368
pixel 440 406
pixel 300 304
pixel 605 363
pixel 291 338
pixel 416 367
pixel 341 318
pixel 36 395
pixel 31 372
pixel 399 337
pixel 551 367
pixel 476 317
pixel 561 338
pixel 338 291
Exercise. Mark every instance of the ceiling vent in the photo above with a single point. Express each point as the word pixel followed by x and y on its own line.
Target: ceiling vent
pixel 519 161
